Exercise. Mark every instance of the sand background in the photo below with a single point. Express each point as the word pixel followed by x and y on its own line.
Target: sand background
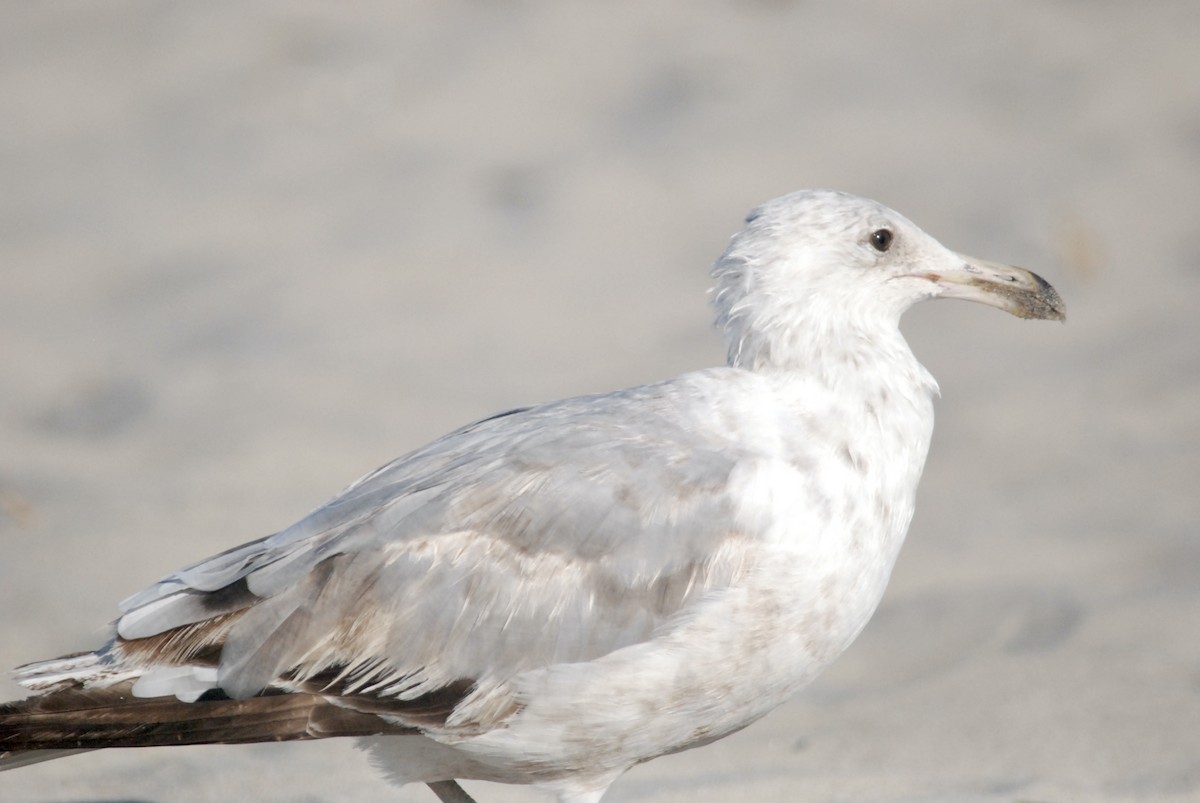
pixel 249 251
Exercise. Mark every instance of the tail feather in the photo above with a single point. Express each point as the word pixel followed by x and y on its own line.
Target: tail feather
pixel 71 720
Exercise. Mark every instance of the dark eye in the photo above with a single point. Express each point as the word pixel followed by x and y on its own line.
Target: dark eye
pixel 881 239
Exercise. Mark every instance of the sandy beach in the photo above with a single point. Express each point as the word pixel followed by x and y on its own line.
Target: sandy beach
pixel 251 251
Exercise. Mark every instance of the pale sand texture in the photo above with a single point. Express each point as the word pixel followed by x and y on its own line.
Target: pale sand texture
pixel 251 251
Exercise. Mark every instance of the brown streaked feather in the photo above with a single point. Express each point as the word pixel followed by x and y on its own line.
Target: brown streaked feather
pixel 83 719
pixel 431 709
pixel 74 718
pixel 196 643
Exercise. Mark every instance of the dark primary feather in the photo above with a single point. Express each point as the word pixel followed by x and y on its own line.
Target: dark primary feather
pixel 84 719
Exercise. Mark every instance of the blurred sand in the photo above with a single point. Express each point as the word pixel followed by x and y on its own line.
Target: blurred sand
pixel 250 251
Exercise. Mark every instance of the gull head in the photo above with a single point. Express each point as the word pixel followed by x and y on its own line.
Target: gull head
pixel 819 266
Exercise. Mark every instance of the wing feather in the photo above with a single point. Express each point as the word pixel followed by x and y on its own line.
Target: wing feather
pixel 545 535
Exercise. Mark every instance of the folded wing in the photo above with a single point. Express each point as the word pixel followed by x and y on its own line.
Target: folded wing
pixel 545 535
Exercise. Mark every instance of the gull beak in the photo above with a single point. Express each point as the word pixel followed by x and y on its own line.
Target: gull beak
pixel 1014 290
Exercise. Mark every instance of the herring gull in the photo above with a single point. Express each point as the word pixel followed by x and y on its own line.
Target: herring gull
pixel 556 593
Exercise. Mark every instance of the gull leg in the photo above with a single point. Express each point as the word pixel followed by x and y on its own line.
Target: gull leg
pixel 450 792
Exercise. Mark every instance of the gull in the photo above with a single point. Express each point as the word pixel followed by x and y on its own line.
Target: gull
pixel 556 593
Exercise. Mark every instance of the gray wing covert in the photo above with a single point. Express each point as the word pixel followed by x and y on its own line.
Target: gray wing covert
pixel 551 534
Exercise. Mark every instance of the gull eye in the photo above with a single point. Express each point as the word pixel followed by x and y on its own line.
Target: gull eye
pixel 881 239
